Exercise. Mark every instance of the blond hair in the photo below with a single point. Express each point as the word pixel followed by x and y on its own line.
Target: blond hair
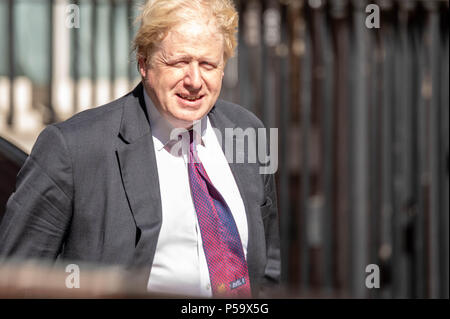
pixel 157 17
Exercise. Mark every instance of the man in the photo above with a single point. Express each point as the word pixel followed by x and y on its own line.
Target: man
pixel 106 186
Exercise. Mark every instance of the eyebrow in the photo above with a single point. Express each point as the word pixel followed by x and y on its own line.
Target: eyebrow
pixel 178 58
pixel 186 57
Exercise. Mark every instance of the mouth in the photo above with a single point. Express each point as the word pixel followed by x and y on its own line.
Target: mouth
pixel 190 98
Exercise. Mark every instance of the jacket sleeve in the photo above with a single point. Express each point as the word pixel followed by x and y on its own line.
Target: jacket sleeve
pixel 269 211
pixel 38 213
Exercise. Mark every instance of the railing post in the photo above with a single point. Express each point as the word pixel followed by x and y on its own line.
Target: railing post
pixel 11 61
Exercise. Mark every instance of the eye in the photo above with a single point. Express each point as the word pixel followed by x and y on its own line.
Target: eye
pixel 208 65
pixel 179 64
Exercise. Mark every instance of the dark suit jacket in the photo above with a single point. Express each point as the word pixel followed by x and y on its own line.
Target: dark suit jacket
pixel 89 191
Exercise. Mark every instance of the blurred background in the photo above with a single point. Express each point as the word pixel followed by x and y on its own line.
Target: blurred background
pixel 361 100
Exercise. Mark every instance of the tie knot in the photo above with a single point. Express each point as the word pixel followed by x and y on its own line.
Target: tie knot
pixel 194 137
pixel 191 136
pixel 193 141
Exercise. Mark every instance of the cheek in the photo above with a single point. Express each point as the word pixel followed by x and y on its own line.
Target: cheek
pixel 159 76
pixel 170 81
pixel 217 85
pixel 214 82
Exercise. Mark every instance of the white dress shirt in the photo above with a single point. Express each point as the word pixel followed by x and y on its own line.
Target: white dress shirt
pixel 179 264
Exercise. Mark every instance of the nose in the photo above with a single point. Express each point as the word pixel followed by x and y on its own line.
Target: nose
pixel 193 79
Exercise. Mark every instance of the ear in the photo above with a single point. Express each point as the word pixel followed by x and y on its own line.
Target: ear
pixel 142 67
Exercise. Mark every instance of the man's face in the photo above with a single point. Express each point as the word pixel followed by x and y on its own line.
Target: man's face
pixel 184 75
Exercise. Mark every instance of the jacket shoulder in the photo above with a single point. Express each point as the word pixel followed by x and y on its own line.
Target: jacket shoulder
pixel 95 118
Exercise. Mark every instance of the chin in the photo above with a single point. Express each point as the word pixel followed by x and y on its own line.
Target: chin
pixel 183 120
pixel 191 116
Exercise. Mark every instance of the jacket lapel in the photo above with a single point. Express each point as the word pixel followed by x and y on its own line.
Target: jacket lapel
pixel 137 163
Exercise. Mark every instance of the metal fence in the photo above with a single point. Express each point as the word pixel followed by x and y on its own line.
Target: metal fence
pixel 362 116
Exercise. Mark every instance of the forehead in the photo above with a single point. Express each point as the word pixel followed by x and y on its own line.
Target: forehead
pixel 194 38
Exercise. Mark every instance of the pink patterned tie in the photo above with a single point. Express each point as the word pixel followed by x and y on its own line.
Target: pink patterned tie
pixel 227 266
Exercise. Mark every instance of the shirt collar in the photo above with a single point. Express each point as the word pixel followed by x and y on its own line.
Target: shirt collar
pixel 161 128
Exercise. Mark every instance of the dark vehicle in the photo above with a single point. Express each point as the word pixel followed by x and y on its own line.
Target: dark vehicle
pixel 11 160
